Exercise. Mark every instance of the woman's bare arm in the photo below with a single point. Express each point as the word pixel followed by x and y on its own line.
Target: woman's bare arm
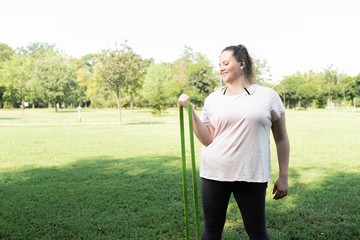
pixel 283 151
pixel 202 131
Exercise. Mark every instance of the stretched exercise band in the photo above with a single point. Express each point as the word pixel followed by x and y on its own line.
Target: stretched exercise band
pixel 194 175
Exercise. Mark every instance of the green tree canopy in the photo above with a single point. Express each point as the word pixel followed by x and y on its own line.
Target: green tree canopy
pixel 56 76
pixel 120 70
pixel 37 49
pixel 156 87
pixel 194 74
pixel 262 72
pixel 15 77
pixel 6 52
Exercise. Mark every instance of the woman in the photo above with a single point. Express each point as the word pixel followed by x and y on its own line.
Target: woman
pixel 235 130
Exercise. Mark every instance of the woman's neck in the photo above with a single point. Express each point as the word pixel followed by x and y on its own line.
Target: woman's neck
pixel 238 87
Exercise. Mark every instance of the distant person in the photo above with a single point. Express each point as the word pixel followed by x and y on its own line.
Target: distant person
pixel 79 112
pixel 235 130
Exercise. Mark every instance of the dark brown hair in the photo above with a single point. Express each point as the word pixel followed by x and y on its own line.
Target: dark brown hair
pixel 241 54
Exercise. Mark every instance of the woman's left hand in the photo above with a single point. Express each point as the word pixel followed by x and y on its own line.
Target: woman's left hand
pixel 280 188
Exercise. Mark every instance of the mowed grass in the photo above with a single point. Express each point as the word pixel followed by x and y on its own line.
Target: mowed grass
pixel 62 179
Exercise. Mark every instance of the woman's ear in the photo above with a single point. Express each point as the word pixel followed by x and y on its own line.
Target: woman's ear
pixel 242 64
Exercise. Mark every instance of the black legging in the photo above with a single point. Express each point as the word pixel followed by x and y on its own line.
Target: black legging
pixel 250 198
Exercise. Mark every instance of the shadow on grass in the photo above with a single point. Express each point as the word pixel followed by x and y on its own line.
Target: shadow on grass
pixel 102 198
pixel 141 198
pixel 8 118
pixel 326 209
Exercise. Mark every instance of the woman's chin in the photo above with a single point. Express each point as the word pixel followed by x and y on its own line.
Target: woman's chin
pixel 225 80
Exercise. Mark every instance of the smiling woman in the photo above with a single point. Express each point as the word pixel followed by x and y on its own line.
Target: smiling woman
pixel 235 160
pixel 235 63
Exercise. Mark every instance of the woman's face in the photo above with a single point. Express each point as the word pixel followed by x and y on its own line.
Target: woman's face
pixel 229 68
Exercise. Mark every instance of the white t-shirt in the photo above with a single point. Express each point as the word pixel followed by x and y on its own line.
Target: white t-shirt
pixel 240 150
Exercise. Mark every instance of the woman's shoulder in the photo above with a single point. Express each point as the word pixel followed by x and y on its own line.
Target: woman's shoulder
pixel 213 96
pixel 269 94
pixel 265 90
pixel 216 92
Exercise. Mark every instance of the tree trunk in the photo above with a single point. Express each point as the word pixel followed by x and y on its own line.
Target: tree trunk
pixel 329 105
pixel 131 102
pixel 119 106
pixel 354 103
pixel 22 110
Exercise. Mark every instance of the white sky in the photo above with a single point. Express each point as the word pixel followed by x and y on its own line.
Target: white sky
pixel 298 35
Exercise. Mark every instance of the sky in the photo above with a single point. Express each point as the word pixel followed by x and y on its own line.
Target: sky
pixel 298 35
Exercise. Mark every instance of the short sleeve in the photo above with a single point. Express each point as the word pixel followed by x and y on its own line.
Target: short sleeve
pixel 204 116
pixel 277 107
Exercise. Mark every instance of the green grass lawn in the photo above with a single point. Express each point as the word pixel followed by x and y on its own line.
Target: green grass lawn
pixel 61 179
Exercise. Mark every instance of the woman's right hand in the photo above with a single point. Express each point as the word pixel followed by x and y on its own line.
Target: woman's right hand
pixel 184 100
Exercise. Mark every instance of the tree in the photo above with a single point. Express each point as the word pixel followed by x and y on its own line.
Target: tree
pixel 118 70
pixel 113 74
pixel 136 72
pixel 6 52
pixel 194 74
pixel 202 79
pixel 262 72
pixel 331 81
pixel 288 89
pixel 37 49
pixel 156 87
pixel 35 52
pixel 85 67
pixel 56 75
pixel 15 76
pixel 357 85
pixel 348 88
pixel 357 90
pixel 35 96
pixel 180 79
pixel 307 92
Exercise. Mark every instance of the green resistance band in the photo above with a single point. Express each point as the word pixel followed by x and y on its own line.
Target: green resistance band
pixel 193 168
